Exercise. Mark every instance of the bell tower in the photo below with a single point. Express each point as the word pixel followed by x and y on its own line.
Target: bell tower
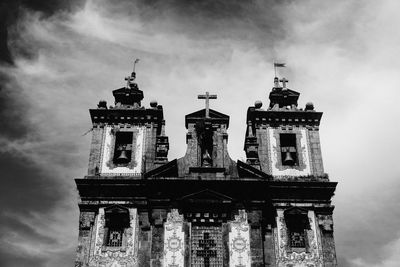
pixel 282 140
pixel 127 140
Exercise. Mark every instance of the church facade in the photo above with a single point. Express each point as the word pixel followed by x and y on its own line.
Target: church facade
pixel 137 208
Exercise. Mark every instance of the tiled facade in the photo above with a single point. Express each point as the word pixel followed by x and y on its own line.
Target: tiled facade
pixel 204 209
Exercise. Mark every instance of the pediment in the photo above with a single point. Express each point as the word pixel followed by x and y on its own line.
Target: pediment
pixel 206 195
pixel 293 211
pixel 201 114
pixel 116 209
pixel 287 92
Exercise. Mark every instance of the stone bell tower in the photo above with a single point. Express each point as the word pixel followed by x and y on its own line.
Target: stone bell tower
pixel 282 141
pixel 127 140
pixel 137 209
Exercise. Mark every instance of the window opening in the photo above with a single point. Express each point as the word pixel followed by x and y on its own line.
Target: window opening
pixel 288 149
pixel 117 221
pixel 297 225
pixel 123 148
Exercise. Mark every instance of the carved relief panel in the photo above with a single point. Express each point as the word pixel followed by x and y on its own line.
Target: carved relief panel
pixel 174 240
pixel 112 247
pixel 295 249
pixel 239 241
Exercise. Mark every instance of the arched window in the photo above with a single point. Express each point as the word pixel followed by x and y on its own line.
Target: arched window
pixel 116 225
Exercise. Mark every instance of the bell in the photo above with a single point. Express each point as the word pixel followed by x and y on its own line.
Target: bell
pixel 122 158
pixel 206 159
pixel 288 158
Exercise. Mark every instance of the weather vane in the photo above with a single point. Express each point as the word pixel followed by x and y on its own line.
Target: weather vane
pixel 130 79
pixel 278 65
pixel 134 64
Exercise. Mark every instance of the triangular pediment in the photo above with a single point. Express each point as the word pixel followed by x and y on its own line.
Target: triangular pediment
pixel 214 116
pixel 202 113
pixel 283 97
pixel 293 211
pixel 206 194
pixel 116 209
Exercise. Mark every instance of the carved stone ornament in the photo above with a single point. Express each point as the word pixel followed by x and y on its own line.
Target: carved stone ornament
pixel 310 258
pixel 280 170
pixel 174 238
pixel 86 219
pixel 112 257
pixel 134 167
pixel 239 241
pixel 325 222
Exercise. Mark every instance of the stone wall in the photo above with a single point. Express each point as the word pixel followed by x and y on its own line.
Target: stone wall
pixel 95 150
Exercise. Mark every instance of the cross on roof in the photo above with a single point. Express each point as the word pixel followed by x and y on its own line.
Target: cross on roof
pixel 207 97
pixel 284 81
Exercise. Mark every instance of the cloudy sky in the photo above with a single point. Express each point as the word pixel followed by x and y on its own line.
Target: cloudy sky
pixel 61 58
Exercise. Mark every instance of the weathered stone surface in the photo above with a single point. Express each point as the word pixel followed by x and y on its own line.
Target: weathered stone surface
pixel 174 240
pixel 157 247
pixel 95 150
pixel 243 245
pixel 206 188
pixel 269 248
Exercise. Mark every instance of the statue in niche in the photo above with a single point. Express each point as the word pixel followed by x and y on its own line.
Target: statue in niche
pixel 205 134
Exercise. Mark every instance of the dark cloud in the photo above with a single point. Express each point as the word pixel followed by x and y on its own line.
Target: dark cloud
pixel 14 110
pixel 26 189
pixel 5 55
pixel 29 232
pixel 12 11
pixel 10 259
pixel 259 23
pixel 27 186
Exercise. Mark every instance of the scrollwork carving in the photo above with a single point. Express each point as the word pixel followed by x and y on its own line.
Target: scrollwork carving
pixel 312 257
pixel 325 222
pixel 239 241
pixel 86 219
pixel 174 237
pixel 108 256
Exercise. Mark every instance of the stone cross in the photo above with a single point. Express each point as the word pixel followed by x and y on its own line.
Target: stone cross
pixel 207 97
pixel 284 81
